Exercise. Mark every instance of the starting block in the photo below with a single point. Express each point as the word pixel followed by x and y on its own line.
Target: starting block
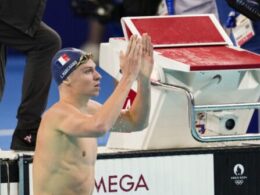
pixel 204 89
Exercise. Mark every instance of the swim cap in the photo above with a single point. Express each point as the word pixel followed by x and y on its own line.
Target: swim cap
pixel 65 62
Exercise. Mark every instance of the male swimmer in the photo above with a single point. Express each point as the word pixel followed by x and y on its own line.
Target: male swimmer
pixel 66 147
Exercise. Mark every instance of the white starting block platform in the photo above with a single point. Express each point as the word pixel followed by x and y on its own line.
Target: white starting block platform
pixel 204 89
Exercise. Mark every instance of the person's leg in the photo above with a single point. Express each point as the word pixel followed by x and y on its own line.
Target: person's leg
pixel 96 33
pixel 36 81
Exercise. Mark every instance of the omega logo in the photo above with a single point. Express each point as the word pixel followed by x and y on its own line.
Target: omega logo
pixel 125 183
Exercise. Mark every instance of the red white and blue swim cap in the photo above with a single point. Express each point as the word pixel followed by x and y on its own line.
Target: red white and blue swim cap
pixel 64 63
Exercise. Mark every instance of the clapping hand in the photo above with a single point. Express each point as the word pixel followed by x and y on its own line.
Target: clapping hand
pixel 147 57
pixel 131 60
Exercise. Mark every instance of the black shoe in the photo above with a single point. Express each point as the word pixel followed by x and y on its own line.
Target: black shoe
pixel 24 139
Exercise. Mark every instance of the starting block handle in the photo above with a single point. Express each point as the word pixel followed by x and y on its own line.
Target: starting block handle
pixel 193 109
pixel 236 106
pixel 188 94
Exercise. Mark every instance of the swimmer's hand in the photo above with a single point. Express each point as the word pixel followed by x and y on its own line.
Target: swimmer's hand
pixel 131 60
pixel 147 57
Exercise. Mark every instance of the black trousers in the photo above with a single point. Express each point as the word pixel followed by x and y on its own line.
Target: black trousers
pixel 39 51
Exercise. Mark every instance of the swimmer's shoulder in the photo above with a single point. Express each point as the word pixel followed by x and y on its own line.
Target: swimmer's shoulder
pixel 61 111
pixel 58 112
pixel 57 109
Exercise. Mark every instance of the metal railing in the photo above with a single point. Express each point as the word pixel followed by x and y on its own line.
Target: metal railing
pixel 193 109
pixel 4 162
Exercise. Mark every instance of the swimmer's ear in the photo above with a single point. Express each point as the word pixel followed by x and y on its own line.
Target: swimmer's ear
pixel 67 81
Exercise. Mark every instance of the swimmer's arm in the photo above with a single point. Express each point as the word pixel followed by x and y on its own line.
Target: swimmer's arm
pixel 75 123
pixel 136 118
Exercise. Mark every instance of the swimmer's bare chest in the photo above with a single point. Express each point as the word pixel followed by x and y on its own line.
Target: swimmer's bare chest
pixel 77 163
pixel 84 150
pixel 88 149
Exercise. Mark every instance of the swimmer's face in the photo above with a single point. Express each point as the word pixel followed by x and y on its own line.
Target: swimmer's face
pixel 85 79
